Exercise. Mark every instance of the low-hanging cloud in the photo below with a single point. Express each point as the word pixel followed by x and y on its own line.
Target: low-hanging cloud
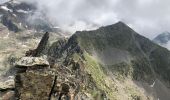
pixel 148 17
pixel 3 1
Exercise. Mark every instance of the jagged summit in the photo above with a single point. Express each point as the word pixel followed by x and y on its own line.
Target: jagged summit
pixel 109 31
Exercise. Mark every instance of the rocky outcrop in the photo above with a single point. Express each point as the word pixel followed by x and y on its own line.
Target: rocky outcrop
pixel 38 81
pixel 41 46
pixel 46 83
pixel 34 85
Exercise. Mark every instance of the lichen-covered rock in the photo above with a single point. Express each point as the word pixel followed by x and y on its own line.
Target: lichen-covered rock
pixel 34 85
pixel 32 62
pixel 7 84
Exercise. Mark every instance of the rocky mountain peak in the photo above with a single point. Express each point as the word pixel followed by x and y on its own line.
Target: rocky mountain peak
pixel 112 62
pixel 119 26
pixel 162 38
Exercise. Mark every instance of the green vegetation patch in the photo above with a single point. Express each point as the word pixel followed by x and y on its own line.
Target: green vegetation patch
pixel 102 81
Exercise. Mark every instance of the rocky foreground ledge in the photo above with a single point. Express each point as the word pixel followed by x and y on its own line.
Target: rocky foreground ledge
pixel 36 82
pixel 35 79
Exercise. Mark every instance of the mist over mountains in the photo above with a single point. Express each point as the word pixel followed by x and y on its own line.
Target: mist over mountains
pixel 163 39
pixel 145 16
pixel 43 57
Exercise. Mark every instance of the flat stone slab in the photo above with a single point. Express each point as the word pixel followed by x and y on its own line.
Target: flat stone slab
pixel 32 62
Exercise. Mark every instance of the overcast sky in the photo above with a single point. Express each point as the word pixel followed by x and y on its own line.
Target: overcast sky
pixel 147 17
pixel 2 1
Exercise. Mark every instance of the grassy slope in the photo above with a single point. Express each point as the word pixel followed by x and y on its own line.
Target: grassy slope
pixel 116 89
pixel 149 61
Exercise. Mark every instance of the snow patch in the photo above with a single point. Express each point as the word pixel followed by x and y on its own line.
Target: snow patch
pixel 20 24
pixel 152 84
pixel 5 8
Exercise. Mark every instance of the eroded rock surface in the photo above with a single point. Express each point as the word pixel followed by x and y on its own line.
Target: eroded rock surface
pixel 34 85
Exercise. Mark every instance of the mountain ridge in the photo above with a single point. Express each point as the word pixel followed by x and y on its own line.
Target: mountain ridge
pixel 118 52
pixel 110 63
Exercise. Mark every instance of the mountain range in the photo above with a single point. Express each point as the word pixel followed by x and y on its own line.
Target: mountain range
pixel 110 63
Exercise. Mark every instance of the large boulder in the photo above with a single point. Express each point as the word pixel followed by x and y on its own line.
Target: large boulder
pixel 34 85
pixel 32 62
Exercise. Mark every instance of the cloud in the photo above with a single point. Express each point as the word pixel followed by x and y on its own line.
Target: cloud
pixel 3 1
pixel 148 17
